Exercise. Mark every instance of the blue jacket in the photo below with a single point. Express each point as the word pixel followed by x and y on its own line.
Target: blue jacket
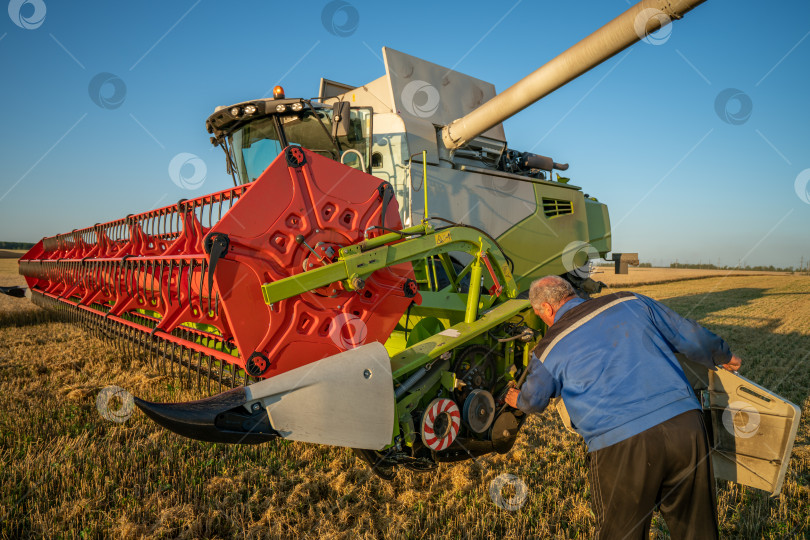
pixel 617 372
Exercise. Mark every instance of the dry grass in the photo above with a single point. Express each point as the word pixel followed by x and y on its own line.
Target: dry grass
pixel 637 277
pixel 66 472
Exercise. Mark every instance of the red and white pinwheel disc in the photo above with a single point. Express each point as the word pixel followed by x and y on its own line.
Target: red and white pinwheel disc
pixel 440 424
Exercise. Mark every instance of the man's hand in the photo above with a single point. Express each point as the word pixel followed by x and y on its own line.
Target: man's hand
pixel 733 364
pixel 511 397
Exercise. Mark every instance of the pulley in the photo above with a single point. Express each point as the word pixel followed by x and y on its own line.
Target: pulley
pixel 440 424
pixel 479 411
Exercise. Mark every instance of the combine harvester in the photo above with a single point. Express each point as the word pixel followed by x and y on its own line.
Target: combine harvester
pixel 363 283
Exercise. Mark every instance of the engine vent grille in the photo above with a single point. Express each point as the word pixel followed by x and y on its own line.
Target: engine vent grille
pixel 557 207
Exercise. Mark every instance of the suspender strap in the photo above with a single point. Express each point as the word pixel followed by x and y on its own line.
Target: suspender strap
pixel 576 317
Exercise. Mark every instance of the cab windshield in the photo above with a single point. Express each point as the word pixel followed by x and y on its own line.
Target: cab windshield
pixel 257 144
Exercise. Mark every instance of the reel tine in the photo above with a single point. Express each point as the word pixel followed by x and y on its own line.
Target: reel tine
pixel 126 341
pixel 112 333
pixel 171 361
pixel 178 359
pixel 155 347
pixel 199 371
pixel 151 355
pixel 152 286
pixel 190 274
pixel 169 282
pixel 200 295
pixel 182 359
pixel 190 357
pixel 162 344
pixel 219 362
pixel 177 283
pixel 187 353
pixel 139 343
pixel 209 374
pixel 160 283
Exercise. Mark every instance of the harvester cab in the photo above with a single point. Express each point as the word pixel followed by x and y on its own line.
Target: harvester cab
pixel 254 133
pixel 362 283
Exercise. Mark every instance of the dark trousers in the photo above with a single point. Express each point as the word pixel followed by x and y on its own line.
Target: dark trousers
pixel 668 467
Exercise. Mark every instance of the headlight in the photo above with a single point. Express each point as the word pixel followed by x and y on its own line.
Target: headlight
pixel 235 111
pixel 281 107
pixel 297 106
pixel 250 109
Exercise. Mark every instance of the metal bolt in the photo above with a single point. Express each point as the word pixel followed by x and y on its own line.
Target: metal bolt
pixel 505 433
pixel 311 265
pixel 358 283
pixel 367 374
pixel 256 407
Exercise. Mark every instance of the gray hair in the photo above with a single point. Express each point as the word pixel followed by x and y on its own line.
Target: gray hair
pixel 550 289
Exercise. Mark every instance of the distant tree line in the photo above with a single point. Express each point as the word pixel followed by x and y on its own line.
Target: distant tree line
pixel 803 268
pixel 758 268
pixel 15 245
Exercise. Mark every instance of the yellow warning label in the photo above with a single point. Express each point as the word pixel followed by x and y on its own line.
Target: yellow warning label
pixel 442 238
pixel 506 273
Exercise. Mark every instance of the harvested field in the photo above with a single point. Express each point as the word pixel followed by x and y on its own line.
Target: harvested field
pixel 67 472
pixel 647 276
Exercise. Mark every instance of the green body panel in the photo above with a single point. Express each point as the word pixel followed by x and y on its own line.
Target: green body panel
pixel 536 244
pixel 426 327
pixel 598 226
pixel 395 342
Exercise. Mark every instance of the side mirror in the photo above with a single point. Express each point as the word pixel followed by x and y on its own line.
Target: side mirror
pixel 341 119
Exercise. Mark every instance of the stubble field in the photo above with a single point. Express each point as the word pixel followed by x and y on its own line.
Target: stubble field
pixel 67 472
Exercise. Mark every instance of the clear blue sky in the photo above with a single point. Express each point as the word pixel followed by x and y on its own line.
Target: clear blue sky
pixel 641 131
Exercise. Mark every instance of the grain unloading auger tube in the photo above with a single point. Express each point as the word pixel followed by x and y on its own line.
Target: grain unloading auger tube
pixel 183 283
